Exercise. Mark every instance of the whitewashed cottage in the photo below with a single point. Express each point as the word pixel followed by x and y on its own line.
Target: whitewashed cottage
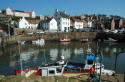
pixel 27 24
pixel 76 23
pixel 50 24
pixel 23 23
pixel 33 24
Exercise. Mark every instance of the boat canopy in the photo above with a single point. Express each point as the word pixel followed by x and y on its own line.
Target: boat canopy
pixel 92 57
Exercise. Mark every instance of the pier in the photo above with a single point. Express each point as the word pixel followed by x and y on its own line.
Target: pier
pixel 48 37
pixel 120 37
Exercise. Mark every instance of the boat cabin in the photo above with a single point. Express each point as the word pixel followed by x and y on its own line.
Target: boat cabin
pixel 90 61
pixel 52 70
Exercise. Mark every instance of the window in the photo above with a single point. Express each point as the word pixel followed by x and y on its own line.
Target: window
pixel 51 72
pixel 65 28
pixel 58 70
pixel 90 62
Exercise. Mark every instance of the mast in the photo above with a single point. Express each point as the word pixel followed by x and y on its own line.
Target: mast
pixel 21 64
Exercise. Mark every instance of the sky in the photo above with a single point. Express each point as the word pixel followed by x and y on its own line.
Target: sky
pixel 72 7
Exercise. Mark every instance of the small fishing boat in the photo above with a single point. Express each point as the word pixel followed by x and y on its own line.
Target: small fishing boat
pixel 40 42
pixel 55 69
pixel 81 67
pixel 65 40
pixel 84 40
pixel 99 69
pixel 91 64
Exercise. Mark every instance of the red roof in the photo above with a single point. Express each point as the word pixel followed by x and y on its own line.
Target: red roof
pixel 23 12
pixel 12 10
pixel 32 21
pixel 84 21
pixel 28 12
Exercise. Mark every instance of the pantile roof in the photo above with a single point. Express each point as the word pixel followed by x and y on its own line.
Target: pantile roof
pixel 32 21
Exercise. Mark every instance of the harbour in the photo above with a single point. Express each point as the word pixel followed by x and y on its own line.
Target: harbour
pixel 33 55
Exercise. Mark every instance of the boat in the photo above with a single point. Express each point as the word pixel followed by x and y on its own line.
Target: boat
pixel 40 42
pixel 84 40
pixel 99 69
pixel 110 40
pixel 65 40
pixel 55 69
pixel 81 67
pixel 91 65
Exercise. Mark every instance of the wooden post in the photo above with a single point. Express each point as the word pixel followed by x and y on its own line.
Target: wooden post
pixel 124 76
pixel 116 62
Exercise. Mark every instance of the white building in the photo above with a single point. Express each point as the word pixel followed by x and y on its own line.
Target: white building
pixel 50 24
pixel 76 23
pixel 27 24
pixel 19 13
pixel 23 23
pixel 63 21
pixel 90 24
pixel 33 24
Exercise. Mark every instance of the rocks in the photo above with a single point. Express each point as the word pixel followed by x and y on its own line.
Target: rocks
pixel 79 78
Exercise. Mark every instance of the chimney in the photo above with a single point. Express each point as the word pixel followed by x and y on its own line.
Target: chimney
pixel 56 10
pixel 113 24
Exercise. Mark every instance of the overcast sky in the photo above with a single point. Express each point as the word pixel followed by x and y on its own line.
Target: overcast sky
pixel 72 7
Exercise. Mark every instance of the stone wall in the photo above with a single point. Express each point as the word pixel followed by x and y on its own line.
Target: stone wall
pixel 51 36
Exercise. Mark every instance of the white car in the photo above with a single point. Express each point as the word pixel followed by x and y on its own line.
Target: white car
pixel 30 33
pixel 106 30
pixel 41 32
pixel 114 31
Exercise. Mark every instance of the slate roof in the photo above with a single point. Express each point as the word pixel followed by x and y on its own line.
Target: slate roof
pixel 62 14
pixel 48 20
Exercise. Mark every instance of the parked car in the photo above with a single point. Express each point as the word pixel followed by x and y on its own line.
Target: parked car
pixel 106 30
pixel 121 30
pixel 41 32
pixel 30 33
pixel 114 31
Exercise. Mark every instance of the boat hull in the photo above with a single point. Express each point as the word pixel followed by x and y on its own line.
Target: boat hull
pixel 18 72
pixel 64 40
pixel 75 68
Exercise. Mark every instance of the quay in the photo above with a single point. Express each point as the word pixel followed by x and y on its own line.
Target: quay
pixel 48 37
pixel 120 37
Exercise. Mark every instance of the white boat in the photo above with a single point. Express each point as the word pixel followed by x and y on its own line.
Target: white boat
pixel 110 40
pixel 99 69
pixel 40 42
pixel 84 40
pixel 52 70
pixel 44 70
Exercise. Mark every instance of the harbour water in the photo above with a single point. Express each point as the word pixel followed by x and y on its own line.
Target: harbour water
pixel 32 55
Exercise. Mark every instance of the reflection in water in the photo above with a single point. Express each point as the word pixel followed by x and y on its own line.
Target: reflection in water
pixel 65 52
pixel 34 55
pixel 53 54
pixel 78 51
pixel 26 56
